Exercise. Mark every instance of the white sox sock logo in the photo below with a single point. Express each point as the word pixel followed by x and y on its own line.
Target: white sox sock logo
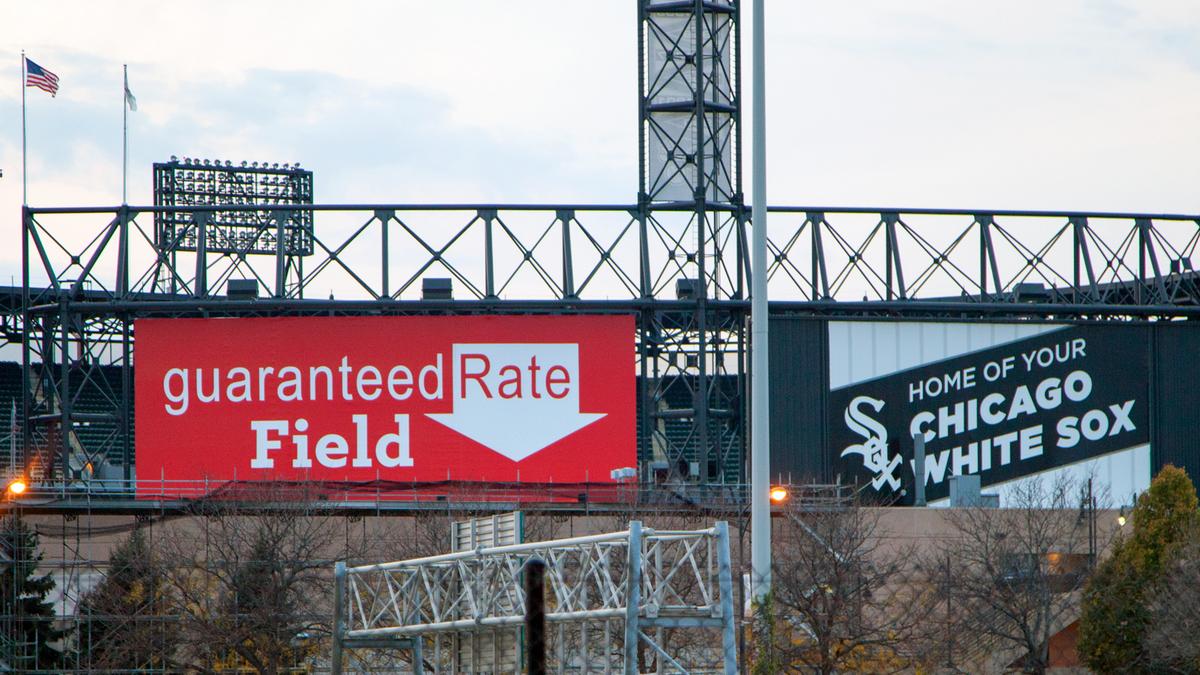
pixel 874 449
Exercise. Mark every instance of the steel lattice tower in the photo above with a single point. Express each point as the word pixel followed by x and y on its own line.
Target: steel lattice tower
pixel 690 192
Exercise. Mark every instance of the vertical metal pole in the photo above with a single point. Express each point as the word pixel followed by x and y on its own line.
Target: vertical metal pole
pixel 656 589
pixel 26 330
pixel 983 257
pixel 919 469
pixel 124 216
pixel 12 441
pixel 489 264
pixel 384 218
pixel 280 253
pixel 642 115
pixel 200 285
pixel 24 167
pixel 888 233
pixel 633 597
pixel 568 266
pixel 607 647
pixel 64 389
pixel 535 616
pixel 339 617
pixel 895 268
pixel 126 404
pixel 725 581
pixel 585 662
pixel 125 138
pixel 1076 236
pixel 760 449
pixel 1141 280
pixel 1091 506
pixel 418 655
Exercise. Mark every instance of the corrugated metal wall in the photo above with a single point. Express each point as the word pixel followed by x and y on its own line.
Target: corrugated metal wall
pixel 799 356
pixel 1175 392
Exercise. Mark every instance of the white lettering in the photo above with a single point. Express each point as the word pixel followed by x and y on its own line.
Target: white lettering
pixel 331 451
pixel 369 377
pixel 1121 420
pixel 180 397
pixel 263 444
pixel 1031 441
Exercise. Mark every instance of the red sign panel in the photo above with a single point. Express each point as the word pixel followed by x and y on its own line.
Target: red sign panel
pixel 366 399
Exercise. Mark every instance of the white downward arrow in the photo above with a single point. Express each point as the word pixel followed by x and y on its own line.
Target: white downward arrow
pixel 516 399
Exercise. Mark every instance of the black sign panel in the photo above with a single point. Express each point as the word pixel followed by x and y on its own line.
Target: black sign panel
pixel 1003 412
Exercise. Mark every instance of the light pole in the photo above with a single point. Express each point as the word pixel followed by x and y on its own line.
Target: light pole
pixel 760 452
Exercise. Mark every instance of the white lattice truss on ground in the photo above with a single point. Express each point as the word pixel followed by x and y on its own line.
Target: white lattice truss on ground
pixel 660 598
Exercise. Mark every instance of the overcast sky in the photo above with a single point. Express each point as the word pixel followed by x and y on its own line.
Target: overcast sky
pixel 1023 105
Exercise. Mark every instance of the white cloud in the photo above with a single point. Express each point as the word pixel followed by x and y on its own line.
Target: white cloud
pixel 939 103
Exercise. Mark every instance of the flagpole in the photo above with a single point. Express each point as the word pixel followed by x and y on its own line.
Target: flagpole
pixel 24 170
pixel 12 440
pixel 125 136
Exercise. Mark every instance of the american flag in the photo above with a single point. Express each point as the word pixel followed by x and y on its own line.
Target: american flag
pixel 37 76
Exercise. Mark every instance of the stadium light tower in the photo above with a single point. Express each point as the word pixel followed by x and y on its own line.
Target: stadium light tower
pixel 760 449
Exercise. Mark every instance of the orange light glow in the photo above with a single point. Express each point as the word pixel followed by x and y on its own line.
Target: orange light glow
pixel 17 487
pixel 779 495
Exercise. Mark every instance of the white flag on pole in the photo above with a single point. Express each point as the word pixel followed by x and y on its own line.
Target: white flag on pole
pixel 129 98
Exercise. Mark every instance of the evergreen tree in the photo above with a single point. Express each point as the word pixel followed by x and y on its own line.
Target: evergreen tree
pixel 1116 614
pixel 121 620
pixel 28 619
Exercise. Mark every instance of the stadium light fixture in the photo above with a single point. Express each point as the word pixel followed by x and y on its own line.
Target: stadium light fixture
pixel 779 495
pixel 17 487
pixel 209 182
pixel 1121 517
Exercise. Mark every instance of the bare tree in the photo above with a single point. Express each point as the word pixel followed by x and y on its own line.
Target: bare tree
pixel 848 598
pixel 251 579
pixel 1014 574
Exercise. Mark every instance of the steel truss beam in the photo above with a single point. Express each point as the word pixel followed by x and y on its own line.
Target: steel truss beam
pixel 608 596
pixel 88 273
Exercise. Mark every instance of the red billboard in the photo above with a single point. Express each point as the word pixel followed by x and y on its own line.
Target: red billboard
pixel 533 399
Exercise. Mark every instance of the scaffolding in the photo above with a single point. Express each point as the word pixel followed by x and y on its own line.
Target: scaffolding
pixel 639 600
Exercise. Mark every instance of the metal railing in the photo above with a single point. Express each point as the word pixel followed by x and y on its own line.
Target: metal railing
pixel 607 594
pixel 446 496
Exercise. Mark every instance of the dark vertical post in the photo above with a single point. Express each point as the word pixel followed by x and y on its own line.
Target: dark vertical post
pixel 983 259
pixel 26 332
pixel 280 254
pixel 565 216
pixel 535 616
pixel 1076 238
pixel 919 469
pixel 64 387
pixel 889 224
pixel 384 217
pixel 949 622
pixel 1141 225
pixel 489 263
pixel 124 217
pixel 339 616
pixel 200 285
pixel 633 597
pixel 1091 510
pixel 126 403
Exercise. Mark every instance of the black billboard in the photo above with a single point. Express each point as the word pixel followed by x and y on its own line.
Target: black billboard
pixel 1002 412
pixel 1000 400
